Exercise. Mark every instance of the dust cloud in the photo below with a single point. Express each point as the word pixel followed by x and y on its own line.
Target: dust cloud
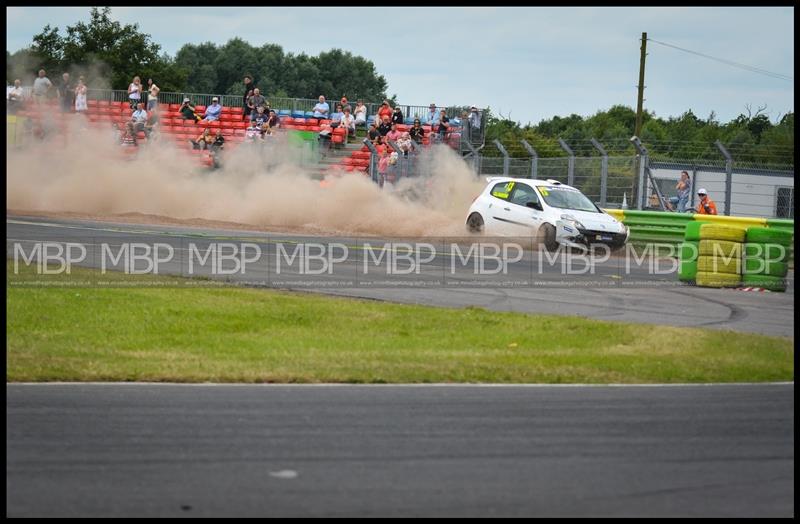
pixel 85 171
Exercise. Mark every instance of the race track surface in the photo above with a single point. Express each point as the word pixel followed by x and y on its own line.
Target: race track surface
pixel 610 292
pixel 212 450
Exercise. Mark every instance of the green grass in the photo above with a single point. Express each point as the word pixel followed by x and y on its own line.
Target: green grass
pixel 231 334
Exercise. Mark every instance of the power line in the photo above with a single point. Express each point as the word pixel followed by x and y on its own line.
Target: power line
pixel 728 62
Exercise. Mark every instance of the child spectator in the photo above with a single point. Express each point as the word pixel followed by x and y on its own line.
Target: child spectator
pixel 80 96
pixel 360 114
pixel 373 134
pixel 417 132
pixel 397 116
pixel 213 111
pixel 336 118
pixel 348 122
pixel 383 167
pixel 404 143
pixel 187 111
pixel 273 122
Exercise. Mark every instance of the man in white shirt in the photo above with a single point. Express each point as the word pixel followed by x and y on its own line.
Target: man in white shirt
pixel 322 109
pixel 15 96
pixel 41 87
pixel 139 117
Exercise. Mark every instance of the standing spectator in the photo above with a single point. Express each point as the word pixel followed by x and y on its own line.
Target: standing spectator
pixel 255 101
pixel 80 96
pixel 66 94
pixel 187 111
pixel 152 94
pixel 706 206
pixel 397 116
pixel 385 126
pixel 373 134
pixel 348 122
pixel 41 87
pixel 684 188
pixel 433 116
pixel 474 122
pixel 384 110
pixel 322 109
pixel 248 92
pixel 213 111
pixel 135 91
pixel 345 103
pixel 139 118
pixel 383 166
pixel 360 114
pixel 443 124
pixel 417 132
pixel 15 96
pixel 394 134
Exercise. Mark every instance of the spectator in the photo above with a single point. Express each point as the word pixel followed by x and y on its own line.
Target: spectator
pixel 384 111
pixel 383 166
pixel 322 109
pixel 360 114
pixel 273 122
pixel 135 91
pixel 474 119
pixel 345 103
pixel 203 141
pixel 213 111
pixel 41 88
pixel 373 134
pixel 152 94
pixel 417 132
pixel 139 117
pixel 66 94
pixel 254 102
pixel 397 116
pixel 188 112
pixel 218 143
pixel 706 205
pixel 252 132
pixel 80 96
pixel 433 116
pixel 404 143
pixel 249 87
pixel 684 188
pixel 129 137
pixel 348 122
pixel 385 126
pixel 260 117
pixel 393 134
pixel 443 124
pixel 15 96
pixel 336 118
pixel 152 125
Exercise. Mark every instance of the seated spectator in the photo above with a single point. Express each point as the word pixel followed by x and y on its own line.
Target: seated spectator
pixel 255 101
pixel 128 138
pixel 348 122
pixel 322 109
pixel 393 134
pixel 336 118
pixel 188 112
pixel 15 97
pixel 252 132
pixel 417 133
pixel 385 126
pixel 444 124
pixel 218 143
pixel 360 114
pixel 345 103
pixel 213 111
pixel 259 117
pixel 404 143
pixel 373 134
pixel 203 141
pixel 433 116
pixel 273 122
pixel 397 116
pixel 385 111
pixel 139 117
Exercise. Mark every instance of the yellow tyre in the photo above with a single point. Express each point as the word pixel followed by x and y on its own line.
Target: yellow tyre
pixel 720 248
pixel 704 279
pixel 708 264
pixel 715 232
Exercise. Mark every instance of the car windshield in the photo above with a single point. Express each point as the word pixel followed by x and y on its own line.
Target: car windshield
pixel 566 198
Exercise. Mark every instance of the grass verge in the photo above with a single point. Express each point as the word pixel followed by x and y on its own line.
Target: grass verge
pixel 232 334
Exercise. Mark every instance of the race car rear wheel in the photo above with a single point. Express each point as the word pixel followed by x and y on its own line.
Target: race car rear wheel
pixel 475 223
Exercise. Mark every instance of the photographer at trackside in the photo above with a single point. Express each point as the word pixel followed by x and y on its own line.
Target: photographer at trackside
pixel 706 206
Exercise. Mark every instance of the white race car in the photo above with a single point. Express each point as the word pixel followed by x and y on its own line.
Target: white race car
pixel 553 212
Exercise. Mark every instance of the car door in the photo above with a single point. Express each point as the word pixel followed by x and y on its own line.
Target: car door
pixel 524 220
pixel 498 209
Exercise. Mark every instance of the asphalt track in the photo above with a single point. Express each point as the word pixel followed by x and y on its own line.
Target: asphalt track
pixel 211 450
pixel 612 290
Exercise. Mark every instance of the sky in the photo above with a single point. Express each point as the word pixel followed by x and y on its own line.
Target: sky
pixel 526 63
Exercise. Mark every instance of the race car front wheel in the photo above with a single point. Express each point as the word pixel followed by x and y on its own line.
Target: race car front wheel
pixel 547 236
pixel 475 223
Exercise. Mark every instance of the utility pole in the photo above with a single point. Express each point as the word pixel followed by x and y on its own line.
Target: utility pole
pixel 640 100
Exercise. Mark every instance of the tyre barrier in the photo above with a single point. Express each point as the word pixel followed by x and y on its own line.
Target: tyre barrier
pixel 711 279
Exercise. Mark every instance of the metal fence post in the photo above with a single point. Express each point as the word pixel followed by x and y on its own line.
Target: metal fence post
pixel 534 158
pixel 603 172
pixel 643 160
pixel 571 162
pixel 728 175
pixel 506 157
pixel 373 172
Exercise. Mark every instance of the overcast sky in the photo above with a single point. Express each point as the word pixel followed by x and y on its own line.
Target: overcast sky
pixel 529 62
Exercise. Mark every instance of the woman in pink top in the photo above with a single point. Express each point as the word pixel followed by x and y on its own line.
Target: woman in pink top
pixel 394 134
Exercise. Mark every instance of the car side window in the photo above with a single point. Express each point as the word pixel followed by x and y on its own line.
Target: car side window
pixel 503 190
pixel 523 194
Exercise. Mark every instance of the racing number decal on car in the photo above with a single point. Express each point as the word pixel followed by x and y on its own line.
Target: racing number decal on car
pixel 504 191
